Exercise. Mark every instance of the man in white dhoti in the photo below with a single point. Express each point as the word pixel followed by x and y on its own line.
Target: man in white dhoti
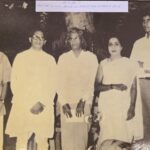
pixel 5 71
pixel 33 88
pixel 76 76
pixel 141 53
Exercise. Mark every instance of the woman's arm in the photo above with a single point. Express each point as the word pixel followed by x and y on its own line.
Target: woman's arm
pixel 120 87
pixel 103 87
pixel 133 94
pixel 99 87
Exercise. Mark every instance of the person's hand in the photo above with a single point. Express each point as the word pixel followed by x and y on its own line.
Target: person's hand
pixel 67 110
pixel 37 108
pixel 121 87
pixel 80 108
pixel 131 113
pixel 141 64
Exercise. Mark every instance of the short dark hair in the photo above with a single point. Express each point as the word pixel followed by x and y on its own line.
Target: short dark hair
pixel 145 13
pixel 116 35
pixel 32 32
pixel 80 34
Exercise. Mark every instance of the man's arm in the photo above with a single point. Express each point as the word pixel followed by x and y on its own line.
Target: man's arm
pixel 4 91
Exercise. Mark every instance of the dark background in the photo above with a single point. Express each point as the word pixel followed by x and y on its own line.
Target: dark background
pixel 16 23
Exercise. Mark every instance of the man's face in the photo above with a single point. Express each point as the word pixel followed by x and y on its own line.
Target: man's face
pixel 74 41
pixel 37 40
pixel 146 23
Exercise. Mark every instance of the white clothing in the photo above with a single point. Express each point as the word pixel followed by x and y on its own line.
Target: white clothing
pixel 114 104
pixel 32 81
pixel 76 77
pixel 141 52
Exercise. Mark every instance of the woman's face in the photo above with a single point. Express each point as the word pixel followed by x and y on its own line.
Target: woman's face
pixel 114 47
pixel 75 41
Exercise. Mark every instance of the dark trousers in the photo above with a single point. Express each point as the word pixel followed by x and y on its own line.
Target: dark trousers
pixel 145 95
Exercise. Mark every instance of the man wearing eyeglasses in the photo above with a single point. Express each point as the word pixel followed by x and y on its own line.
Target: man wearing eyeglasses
pixel 33 88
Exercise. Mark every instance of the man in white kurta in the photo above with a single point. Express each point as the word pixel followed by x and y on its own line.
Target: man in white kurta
pixel 5 71
pixel 141 53
pixel 76 77
pixel 33 87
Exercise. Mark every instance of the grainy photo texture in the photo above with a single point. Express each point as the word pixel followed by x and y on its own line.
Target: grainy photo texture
pixel 74 81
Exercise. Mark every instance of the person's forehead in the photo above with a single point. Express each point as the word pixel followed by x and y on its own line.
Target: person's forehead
pixel 74 35
pixel 38 33
pixel 113 39
pixel 146 17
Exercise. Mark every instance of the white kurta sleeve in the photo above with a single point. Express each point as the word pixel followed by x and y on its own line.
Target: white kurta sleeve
pixel 14 75
pixel 51 84
pixel 53 80
pixel 136 52
pixel 60 80
pixel 88 97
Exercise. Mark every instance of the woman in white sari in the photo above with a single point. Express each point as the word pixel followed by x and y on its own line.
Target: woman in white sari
pixel 119 101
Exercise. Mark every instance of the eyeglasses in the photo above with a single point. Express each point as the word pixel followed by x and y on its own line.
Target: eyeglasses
pixel 35 37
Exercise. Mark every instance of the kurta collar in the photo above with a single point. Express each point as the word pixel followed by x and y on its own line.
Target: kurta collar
pixel 146 37
pixel 72 53
pixel 36 51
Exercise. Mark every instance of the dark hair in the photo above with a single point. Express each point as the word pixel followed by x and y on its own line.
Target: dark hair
pixel 145 13
pixel 81 37
pixel 115 35
pixel 32 32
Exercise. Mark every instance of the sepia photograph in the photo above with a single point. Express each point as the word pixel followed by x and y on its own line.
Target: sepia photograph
pixel 74 80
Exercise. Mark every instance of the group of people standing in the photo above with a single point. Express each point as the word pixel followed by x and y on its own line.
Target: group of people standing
pixel 122 83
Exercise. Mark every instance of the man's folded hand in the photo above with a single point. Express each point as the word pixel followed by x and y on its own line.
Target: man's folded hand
pixel 67 110
pixel 37 108
pixel 80 108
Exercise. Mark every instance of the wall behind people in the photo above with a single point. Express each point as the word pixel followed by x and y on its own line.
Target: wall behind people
pixel 16 23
